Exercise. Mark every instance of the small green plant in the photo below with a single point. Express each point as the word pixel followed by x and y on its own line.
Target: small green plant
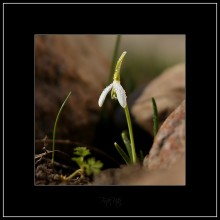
pixel 55 126
pixel 88 167
pixel 118 93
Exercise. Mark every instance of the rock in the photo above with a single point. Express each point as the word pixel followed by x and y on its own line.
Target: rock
pixel 169 143
pixel 115 176
pixel 168 89
pixel 174 175
pixel 65 63
pixel 136 175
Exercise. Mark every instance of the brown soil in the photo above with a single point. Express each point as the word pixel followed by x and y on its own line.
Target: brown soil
pixel 46 174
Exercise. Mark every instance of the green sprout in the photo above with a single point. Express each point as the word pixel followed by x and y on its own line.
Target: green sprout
pixel 55 126
pixel 87 167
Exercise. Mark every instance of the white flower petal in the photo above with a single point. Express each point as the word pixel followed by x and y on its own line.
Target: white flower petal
pixel 121 95
pixel 104 94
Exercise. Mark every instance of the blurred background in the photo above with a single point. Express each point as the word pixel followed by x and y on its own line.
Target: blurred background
pixel 81 64
pixel 147 57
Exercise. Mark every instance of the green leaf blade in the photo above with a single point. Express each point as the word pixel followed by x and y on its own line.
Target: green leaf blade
pixel 127 143
pixel 122 153
pixel 55 126
pixel 155 116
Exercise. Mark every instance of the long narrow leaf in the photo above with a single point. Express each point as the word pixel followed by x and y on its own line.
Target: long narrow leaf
pixel 127 143
pixel 141 155
pixel 155 116
pixel 55 125
pixel 122 153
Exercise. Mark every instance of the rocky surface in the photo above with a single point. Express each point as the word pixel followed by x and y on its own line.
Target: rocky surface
pixel 65 63
pixel 136 175
pixel 169 143
pixel 168 89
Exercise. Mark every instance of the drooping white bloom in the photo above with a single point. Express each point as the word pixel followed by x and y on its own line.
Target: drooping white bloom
pixel 118 89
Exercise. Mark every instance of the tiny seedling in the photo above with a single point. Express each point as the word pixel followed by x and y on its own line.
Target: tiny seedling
pixel 88 167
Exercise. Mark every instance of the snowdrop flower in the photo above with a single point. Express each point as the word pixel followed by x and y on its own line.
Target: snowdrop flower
pixel 117 91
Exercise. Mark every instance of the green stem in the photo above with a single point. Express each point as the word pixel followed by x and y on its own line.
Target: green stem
pixel 134 157
pixel 74 174
pixel 55 126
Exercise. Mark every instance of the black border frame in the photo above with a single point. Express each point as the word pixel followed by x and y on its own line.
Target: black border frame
pixel 198 21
